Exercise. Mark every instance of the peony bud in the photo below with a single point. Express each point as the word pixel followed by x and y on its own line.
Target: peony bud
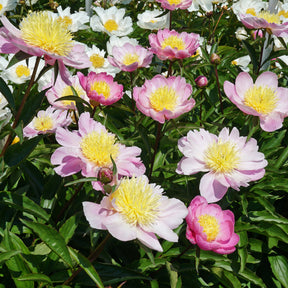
pixel 215 59
pixel 105 175
pixel 201 81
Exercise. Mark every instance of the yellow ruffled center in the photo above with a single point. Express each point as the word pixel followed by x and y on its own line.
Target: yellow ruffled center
pixel 210 226
pixel 101 87
pixel 22 70
pixel 39 29
pixel 98 147
pixel 136 201
pixel 130 58
pixel 261 98
pixel 175 2
pixel 111 25
pixel 174 42
pixel 283 13
pixel 66 21
pixel 222 157
pixel 269 17
pixel 67 91
pixel 251 11
pixel 1 7
pixel 163 98
pixel 43 123
pixel 97 60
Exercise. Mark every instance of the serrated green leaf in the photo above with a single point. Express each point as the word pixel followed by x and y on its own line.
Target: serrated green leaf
pixel 279 266
pixel 35 277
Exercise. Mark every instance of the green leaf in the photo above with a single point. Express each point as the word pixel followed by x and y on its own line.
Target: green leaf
pixel 279 266
pixel 35 277
pixel 4 89
pixel 173 275
pixel 252 55
pixel 87 266
pixel 252 277
pixel 4 256
pixel 52 239
pixel 68 228
pixel 19 56
pixel 226 278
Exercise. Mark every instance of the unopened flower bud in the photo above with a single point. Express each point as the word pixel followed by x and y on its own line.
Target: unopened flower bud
pixel 257 33
pixel 201 81
pixel 105 175
pixel 215 59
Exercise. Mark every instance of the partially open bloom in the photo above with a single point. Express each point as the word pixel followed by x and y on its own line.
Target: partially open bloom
pixel 130 57
pixel 111 21
pixel 137 210
pixel 90 148
pixel 175 4
pixel 229 159
pixel 210 227
pixel 101 87
pixel 164 98
pixel 152 20
pixel 169 44
pixel 42 35
pixel 46 121
pixel 263 99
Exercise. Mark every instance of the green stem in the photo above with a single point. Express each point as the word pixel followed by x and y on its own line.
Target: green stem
pixel 218 87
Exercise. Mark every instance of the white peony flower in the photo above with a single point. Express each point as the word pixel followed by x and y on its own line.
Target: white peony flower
pixel 151 20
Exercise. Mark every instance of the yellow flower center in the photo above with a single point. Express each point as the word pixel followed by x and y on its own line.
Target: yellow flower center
pixel 67 91
pixel 136 201
pixel 251 11
pixel 153 21
pixel 97 147
pixel 234 62
pixel 163 98
pixel 222 157
pixel 1 7
pixel 130 58
pixel 97 60
pixel 15 140
pixel 269 17
pixel 111 25
pixel 43 123
pixel 174 42
pixel 176 2
pixel 210 226
pixel 39 29
pixel 22 70
pixel 101 87
pixel 283 13
pixel 66 21
pixel 261 98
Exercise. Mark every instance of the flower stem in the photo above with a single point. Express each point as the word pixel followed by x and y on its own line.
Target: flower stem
pixel 218 87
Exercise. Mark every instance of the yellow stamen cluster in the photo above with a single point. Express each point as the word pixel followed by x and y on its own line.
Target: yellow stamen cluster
pixel 130 58
pixel 67 91
pixel 174 42
pixel 283 13
pixel 111 25
pixel 210 226
pixel 163 98
pixel 175 2
pixel 22 70
pixel 43 123
pixel 101 87
pixel 269 17
pixel 66 21
pixel 97 60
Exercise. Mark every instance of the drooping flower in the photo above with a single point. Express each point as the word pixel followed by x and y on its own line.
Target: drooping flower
pixel 130 57
pixel 42 35
pixel 137 210
pixel 46 121
pixel 175 4
pixel 210 227
pixel 169 44
pixel 152 20
pixel 111 21
pixel 263 99
pixel 164 98
pixel 90 148
pixel 229 159
pixel 101 87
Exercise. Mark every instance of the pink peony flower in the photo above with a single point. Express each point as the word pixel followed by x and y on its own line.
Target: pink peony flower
pixel 175 4
pixel 130 57
pixel 229 159
pixel 164 98
pixel 42 35
pixel 263 99
pixel 101 87
pixel 137 210
pixel 210 227
pixel 90 148
pixel 47 122
pixel 169 44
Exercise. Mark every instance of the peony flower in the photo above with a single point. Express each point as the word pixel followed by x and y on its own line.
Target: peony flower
pixel 175 4
pixel 229 159
pixel 248 6
pixel 263 99
pixel 152 20
pixel 111 21
pixel 169 44
pixel 210 227
pixel 46 122
pixel 137 210
pixel 90 148
pixel 164 98
pixel 41 35
pixel 101 87
pixel 130 57
pixel 115 41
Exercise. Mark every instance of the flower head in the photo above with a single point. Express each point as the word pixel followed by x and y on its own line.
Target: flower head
pixel 101 87
pixel 263 98
pixel 175 4
pixel 130 57
pixel 137 210
pixel 229 159
pixel 169 44
pixel 210 227
pixel 152 20
pixel 164 98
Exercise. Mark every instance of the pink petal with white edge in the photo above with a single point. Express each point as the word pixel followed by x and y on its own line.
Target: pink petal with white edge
pixel 162 230
pixel 189 166
pixel 271 122
pixel 242 83
pixel 95 214
pixel 66 138
pixel 149 239
pixel 269 79
pixel 282 105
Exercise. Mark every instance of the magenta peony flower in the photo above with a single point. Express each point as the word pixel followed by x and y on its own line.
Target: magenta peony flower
pixel 164 98
pixel 90 148
pixel 210 227
pixel 169 44
pixel 229 159
pixel 101 87
pixel 137 210
pixel 175 4
pixel 263 99
pixel 130 57
pixel 42 35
